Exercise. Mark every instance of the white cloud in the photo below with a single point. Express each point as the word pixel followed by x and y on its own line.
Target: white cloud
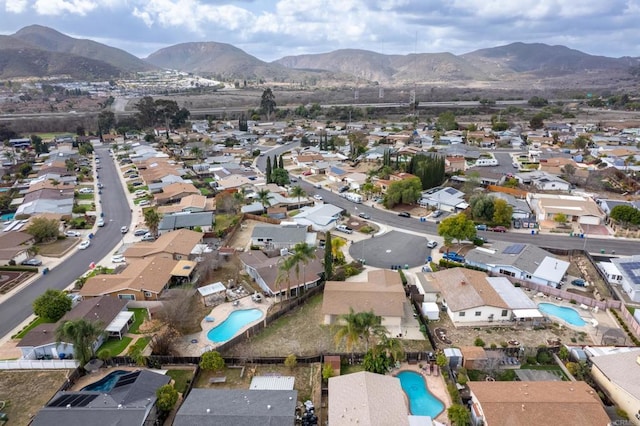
pixel 15 6
pixel 60 7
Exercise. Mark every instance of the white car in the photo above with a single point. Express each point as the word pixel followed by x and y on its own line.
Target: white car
pixel 83 245
pixel 317 197
pixel 72 234
pixel 118 258
pixel 124 229
pixel 144 203
pixel 85 191
pixel 432 244
pixel 100 222
pixel 140 193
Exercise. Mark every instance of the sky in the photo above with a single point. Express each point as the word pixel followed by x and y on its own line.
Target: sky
pixel 271 29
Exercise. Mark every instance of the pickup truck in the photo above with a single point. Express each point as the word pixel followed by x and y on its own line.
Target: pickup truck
pixel 453 256
pixel 344 228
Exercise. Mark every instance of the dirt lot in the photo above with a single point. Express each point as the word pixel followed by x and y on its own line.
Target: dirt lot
pixel 307 382
pixel 57 248
pixel 10 279
pixel 26 391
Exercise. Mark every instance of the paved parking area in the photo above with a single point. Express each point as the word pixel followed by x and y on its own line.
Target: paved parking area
pixel 392 248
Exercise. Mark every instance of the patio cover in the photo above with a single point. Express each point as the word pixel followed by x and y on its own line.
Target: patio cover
pixel 211 289
pixel 183 268
pixel 527 313
pixel 119 322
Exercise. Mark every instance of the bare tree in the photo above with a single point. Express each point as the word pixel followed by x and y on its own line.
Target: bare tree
pixel 174 309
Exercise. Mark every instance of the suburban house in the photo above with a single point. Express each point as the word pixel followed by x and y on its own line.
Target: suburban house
pixel 40 342
pixel 266 271
pixel 382 293
pixel 368 399
pixel 142 279
pixel 582 210
pixel 473 298
pixel 535 403
pixel 213 407
pixel 521 209
pixel 281 237
pixel 44 199
pixel 447 199
pixel 616 374
pixel 14 245
pixel 132 401
pixel 520 261
pixel 607 204
pixel 191 203
pixel 186 220
pixel 629 268
pixel 174 192
pixel 321 217
pixel 180 244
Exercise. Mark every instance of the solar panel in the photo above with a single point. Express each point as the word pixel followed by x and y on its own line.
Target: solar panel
pixel 632 270
pixel 127 379
pixel 73 400
pixel 513 249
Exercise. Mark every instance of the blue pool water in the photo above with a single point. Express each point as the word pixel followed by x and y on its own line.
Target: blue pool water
pixel 107 382
pixel 569 315
pixel 6 217
pixel 421 401
pixel 234 322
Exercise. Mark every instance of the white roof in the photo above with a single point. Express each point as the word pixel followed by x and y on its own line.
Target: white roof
pixel 514 297
pixel 609 268
pixel 119 321
pixel 272 382
pixel 551 269
pixel 211 288
pixel 527 313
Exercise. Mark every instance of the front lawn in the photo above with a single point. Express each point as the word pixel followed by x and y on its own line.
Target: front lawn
pixel 115 346
pixel 139 316
pixel 84 196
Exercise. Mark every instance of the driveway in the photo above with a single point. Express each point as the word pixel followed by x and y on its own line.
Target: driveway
pixel 392 248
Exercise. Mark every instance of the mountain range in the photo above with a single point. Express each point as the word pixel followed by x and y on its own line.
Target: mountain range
pixel 38 51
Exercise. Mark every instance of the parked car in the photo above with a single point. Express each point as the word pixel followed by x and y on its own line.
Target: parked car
pixel 83 245
pixel 85 191
pixel 344 228
pixel 100 185
pixel 144 203
pixel 140 232
pixel 432 244
pixel 344 188
pixel 118 258
pixel 317 197
pixel 453 256
pixel 498 229
pixel 404 214
pixel 436 213
pixel 31 262
pixel 124 229
pixel 100 222
pixel 364 215
pixel 137 183
pixel 148 237
pixel 481 227
pixel 72 234
pixel 579 282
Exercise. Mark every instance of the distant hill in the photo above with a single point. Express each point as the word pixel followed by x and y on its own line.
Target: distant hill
pixel 41 51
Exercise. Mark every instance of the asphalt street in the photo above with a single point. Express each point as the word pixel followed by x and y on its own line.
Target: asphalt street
pixel 115 206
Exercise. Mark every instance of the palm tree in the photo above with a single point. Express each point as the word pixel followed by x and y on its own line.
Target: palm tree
pixel 391 347
pixel 284 272
pixel 239 197
pixel 302 253
pixel 196 152
pixel 152 220
pixel 298 192
pixel 349 331
pixel 336 248
pixel 361 325
pixel 263 197
pixel 82 334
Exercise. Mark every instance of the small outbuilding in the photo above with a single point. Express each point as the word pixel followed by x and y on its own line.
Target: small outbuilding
pixel 212 294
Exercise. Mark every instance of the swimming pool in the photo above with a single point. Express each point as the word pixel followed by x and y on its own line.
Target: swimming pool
pixel 569 315
pixel 7 217
pixel 107 382
pixel 421 401
pixel 234 322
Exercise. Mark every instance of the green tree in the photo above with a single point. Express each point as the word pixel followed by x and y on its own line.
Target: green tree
pixel 43 230
pixel 441 360
pixel 560 218
pixel 327 372
pixel 538 102
pixel 457 228
pixel 625 214
pixel 197 152
pixel 563 354
pixel 146 115
pixel 459 415
pixel 167 396
pixel 263 197
pixel 212 361
pixel 376 362
pixel 362 325
pixel 482 207
pixel 302 253
pixel 52 305
pixel 581 142
pixel 291 361
pixel 281 162
pixel 298 193
pixel 446 121
pixel 268 103
pixel 106 122
pixel 406 191
pixel 152 219
pixel 268 170
pixel 82 334
pixel 502 212
pixel 280 177
pixel 536 122
pixel 38 146
pixel 328 257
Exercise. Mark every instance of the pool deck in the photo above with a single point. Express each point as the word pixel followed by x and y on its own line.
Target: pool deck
pixel 219 314
pixel 436 386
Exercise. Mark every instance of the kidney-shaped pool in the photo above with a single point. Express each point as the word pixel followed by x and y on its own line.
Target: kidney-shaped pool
pixel 234 322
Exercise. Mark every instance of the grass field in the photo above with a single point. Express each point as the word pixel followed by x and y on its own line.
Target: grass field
pixel 115 346
pixel 140 315
pixel 181 377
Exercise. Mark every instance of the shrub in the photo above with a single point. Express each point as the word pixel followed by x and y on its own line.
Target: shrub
pixel 504 344
pixel 327 372
pixel 212 361
pixel 493 346
pixel 479 342
pixel 80 208
pixel 291 361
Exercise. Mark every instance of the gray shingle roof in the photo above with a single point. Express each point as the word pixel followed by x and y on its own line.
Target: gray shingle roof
pixel 279 234
pixel 177 221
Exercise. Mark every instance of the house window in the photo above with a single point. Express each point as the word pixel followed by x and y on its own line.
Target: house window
pixel 127 297
pixel 462 314
pixel 527 276
pixel 148 294
pixel 505 272
pixel 504 312
pixel 478 313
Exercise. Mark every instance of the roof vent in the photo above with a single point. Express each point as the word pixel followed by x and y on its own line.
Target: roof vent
pixel 208 410
pixel 463 282
pixel 268 407
pixel 68 406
